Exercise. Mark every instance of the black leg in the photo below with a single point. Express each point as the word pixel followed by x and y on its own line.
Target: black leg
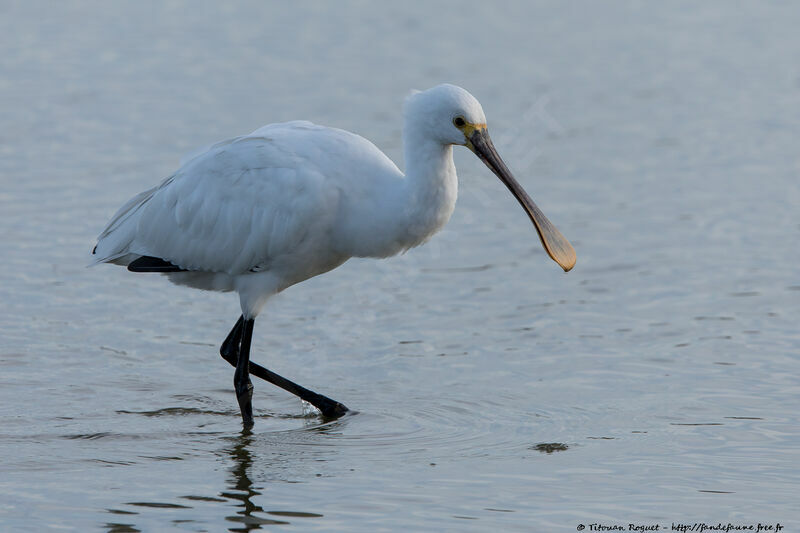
pixel 241 378
pixel 230 352
pixel 230 346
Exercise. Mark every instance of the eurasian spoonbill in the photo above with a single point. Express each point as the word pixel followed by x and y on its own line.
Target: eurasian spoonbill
pixel 258 213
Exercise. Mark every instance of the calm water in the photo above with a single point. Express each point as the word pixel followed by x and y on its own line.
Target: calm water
pixel 656 383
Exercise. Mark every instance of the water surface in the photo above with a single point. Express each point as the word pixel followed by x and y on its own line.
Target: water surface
pixel 655 383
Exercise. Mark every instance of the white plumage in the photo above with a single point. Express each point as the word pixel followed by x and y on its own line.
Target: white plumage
pixel 262 205
pixel 259 213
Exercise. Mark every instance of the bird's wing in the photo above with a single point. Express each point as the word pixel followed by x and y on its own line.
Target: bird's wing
pixel 234 208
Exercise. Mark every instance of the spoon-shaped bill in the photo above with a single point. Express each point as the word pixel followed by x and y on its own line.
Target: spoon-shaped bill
pixel 555 244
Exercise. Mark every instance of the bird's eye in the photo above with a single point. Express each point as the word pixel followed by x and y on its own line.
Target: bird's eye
pixel 459 122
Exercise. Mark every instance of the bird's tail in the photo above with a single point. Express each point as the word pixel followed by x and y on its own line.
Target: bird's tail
pixel 113 244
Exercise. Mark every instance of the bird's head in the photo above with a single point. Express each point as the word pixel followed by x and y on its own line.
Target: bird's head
pixel 451 115
pixel 446 112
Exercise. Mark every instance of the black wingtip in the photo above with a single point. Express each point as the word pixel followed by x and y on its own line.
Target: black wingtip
pixel 147 263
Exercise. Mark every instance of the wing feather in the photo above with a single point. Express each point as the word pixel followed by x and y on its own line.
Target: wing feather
pixel 238 206
pixel 250 202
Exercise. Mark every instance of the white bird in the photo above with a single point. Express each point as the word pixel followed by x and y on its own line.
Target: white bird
pixel 258 213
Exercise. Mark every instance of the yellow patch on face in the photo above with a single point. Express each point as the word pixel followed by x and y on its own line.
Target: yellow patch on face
pixel 468 129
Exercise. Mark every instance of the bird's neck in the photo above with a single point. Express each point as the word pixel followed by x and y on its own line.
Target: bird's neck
pixel 431 188
pixel 395 212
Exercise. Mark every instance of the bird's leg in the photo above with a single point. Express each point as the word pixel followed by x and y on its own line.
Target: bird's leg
pixel 230 352
pixel 241 377
pixel 230 346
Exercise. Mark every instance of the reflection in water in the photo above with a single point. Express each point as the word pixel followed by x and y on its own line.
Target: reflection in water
pixel 240 490
pixel 241 487
pixel 113 527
